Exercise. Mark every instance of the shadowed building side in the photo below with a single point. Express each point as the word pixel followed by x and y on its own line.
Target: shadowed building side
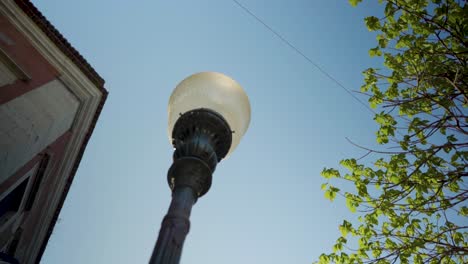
pixel 50 100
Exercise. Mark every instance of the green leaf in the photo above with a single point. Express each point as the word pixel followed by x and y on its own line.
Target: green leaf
pixel 330 194
pixel 372 23
pixel 345 228
pixel 452 138
pixel 354 2
pixel 463 211
pixel 383 41
pixel 350 205
pixel 330 173
pixel 324 259
pixel 375 52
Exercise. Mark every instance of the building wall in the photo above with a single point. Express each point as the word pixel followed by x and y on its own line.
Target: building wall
pixel 40 174
pixel 31 122
pixel 37 111
pixel 50 99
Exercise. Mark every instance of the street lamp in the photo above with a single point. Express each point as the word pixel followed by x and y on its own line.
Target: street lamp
pixel 208 115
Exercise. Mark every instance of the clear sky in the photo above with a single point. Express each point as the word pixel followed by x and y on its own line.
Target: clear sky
pixel 265 204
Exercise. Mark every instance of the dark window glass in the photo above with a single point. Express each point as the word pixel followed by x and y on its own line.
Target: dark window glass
pixel 12 202
pixel 14 243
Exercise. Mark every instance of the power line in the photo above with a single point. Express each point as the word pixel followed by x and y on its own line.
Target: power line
pixel 303 55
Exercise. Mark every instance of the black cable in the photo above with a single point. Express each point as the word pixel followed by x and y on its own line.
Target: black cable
pixel 303 55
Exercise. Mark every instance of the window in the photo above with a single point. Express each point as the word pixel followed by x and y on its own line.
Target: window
pixel 11 203
pixel 14 243
pixel 36 182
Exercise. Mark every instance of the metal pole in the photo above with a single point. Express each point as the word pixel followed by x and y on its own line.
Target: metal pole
pixel 174 227
pixel 201 139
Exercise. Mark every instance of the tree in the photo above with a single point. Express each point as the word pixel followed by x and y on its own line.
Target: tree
pixel 411 197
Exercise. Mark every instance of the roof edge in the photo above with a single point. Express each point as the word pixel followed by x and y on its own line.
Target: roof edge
pixel 61 42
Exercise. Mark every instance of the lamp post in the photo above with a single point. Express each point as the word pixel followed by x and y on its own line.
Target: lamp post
pixel 208 115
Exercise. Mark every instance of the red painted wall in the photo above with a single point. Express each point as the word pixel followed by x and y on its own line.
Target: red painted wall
pixel 28 58
pixel 55 150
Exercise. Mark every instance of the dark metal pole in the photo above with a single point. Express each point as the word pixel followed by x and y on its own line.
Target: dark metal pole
pixel 174 227
pixel 201 139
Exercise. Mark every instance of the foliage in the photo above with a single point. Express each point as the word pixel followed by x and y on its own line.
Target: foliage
pixel 412 200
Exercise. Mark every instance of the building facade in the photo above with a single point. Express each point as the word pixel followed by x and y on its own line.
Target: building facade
pixel 50 100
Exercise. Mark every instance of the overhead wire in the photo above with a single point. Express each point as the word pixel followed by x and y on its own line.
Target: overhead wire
pixel 298 51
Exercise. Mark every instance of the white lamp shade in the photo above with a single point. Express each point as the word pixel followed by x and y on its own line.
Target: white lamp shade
pixel 214 91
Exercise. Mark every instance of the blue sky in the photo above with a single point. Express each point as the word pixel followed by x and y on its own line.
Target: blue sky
pixel 265 204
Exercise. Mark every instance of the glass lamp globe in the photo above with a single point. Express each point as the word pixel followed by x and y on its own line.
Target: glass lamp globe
pixel 216 92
